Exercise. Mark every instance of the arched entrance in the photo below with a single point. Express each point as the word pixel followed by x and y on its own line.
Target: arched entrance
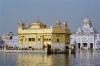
pixel 48 49
pixel 49 46
pixel 66 47
pixel 30 47
pixel 91 45
pixel 79 45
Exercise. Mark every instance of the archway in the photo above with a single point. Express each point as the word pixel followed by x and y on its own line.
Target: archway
pixel 79 45
pixel 91 45
pixel 49 49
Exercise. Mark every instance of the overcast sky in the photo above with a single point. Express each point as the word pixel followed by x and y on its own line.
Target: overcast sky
pixel 48 11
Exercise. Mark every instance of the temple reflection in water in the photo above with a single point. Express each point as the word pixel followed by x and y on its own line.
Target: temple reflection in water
pixel 83 58
pixel 42 60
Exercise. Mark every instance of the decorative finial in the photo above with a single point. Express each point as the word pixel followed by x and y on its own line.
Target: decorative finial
pixel 65 23
pixel 37 19
pixel 58 22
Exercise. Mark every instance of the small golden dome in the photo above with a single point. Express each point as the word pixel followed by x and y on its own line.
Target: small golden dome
pixel 65 24
pixel 21 23
pixel 58 22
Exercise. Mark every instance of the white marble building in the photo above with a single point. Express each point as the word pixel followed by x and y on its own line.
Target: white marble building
pixel 86 37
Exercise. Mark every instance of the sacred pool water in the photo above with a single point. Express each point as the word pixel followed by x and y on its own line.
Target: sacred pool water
pixel 82 58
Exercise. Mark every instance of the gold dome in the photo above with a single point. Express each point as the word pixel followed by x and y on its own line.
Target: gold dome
pixel 37 23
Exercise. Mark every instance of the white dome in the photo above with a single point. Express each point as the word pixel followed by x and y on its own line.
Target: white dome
pixel 87 21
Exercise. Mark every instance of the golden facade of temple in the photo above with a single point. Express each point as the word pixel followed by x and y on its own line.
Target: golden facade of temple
pixel 39 33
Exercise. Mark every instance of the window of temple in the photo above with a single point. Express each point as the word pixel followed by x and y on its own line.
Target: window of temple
pixel 57 40
pixel 29 39
pixel 38 39
pixel 33 39
pixel 21 39
pixel 44 39
pixel 49 39
pixel 84 44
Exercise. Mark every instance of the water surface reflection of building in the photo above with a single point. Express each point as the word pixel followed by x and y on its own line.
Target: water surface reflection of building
pixel 43 60
pixel 34 60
